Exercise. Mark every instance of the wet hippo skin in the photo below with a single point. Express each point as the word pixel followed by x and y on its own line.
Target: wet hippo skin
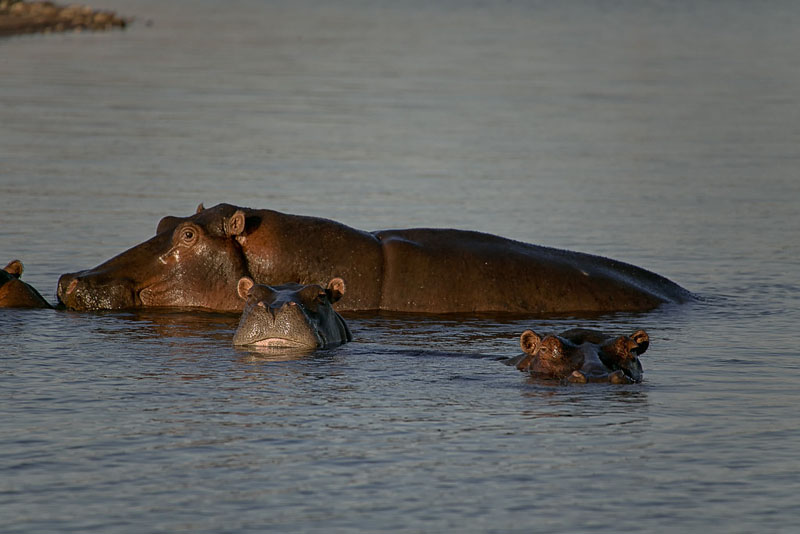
pixel 197 261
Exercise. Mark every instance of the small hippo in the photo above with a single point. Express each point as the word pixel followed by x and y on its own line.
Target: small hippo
pixel 291 316
pixel 583 355
pixel 14 293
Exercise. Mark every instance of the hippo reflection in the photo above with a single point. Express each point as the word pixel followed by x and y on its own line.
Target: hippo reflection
pixel 197 261
pixel 291 316
pixel 582 355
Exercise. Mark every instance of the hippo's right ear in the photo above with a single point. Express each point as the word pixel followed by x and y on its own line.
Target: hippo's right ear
pixel 200 208
pixel 235 224
pixel 529 340
pixel 642 341
pixel 14 268
pixel 335 289
pixel 244 285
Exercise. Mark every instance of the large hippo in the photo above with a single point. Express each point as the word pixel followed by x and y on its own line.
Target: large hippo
pixel 291 316
pixel 197 261
pixel 582 355
pixel 14 293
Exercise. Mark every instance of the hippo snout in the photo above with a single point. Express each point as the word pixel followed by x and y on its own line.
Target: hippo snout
pixel 86 291
pixel 277 324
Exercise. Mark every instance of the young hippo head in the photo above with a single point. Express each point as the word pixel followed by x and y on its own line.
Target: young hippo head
pixel 14 293
pixel 585 356
pixel 191 262
pixel 292 316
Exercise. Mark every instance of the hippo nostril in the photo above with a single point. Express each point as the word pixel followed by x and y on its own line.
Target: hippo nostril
pixel 72 286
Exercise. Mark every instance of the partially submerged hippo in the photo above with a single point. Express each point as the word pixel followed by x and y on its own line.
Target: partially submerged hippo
pixel 197 261
pixel 582 355
pixel 14 293
pixel 291 316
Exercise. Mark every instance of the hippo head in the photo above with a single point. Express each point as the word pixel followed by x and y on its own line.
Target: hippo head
pixel 549 356
pixel 291 316
pixel 622 353
pixel 191 262
pixel 581 358
pixel 14 293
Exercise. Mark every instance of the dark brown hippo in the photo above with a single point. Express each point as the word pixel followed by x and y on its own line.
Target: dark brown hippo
pixel 291 316
pixel 582 355
pixel 197 261
pixel 14 293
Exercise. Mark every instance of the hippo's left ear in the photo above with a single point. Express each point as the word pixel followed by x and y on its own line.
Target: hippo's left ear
pixel 529 340
pixel 335 289
pixel 235 224
pixel 244 286
pixel 14 268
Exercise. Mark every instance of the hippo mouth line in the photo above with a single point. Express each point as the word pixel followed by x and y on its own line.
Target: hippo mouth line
pixel 280 342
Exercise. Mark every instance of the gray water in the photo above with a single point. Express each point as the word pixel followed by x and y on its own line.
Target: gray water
pixel 665 134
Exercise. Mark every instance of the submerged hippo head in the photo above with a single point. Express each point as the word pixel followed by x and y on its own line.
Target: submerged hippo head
pixel 14 293
pixel 191 262
pixel 583 356
pixel 291 316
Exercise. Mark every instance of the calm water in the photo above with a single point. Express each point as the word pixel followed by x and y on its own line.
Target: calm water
pixel 665 134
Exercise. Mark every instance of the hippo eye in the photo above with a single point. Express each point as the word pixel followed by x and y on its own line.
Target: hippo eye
pixel 188 236
pixel 322 297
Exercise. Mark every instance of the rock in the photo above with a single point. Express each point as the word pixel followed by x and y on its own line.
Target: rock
pixel 19 17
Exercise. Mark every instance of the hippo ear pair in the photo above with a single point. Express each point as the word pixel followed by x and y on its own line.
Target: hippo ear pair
pixel 529 340
pixel 335 289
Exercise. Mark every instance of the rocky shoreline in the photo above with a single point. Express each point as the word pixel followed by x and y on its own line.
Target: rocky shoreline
pixel 19 17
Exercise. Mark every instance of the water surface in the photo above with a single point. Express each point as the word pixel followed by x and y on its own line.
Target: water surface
pixel 662 134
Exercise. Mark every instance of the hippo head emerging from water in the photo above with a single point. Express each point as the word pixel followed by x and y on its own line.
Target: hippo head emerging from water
pixel 14 293
pixel 582 355
pixel 191 262
pixel 291 316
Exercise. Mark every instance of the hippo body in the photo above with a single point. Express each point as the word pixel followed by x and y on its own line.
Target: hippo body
pixel 582 355
pixel 14 293
pixel 197 261
pixel 291 316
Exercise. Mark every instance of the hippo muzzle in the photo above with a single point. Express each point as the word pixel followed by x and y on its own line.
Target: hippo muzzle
pixel 282 326
pixel 291 316
pixel 88 290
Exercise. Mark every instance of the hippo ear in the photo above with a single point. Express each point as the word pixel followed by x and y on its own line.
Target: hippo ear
pixel 642 341
pixel 14 268
pixel 200 208
pixel 235 224
pixel 244 286
pixel 529 340
pixel 335 289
